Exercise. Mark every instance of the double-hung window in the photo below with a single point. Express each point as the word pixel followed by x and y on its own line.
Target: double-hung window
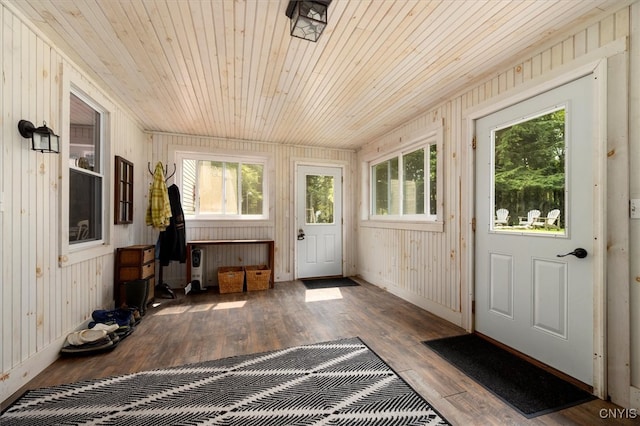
pixel 222 186
pixel 404 183
pixel 86 172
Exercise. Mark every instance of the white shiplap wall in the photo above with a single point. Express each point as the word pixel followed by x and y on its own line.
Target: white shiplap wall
pixel 41 302
pixel 431 277
pixel 420 266
pixel 438 282
pixel 283 159
pixel 634 193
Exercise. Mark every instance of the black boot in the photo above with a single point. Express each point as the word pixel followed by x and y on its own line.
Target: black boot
pixel 168 290
pixel 136 294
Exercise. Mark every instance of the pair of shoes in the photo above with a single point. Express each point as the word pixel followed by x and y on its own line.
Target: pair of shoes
pixel 109 328
pixel 122 317
pixel 107 343
pixel 89 335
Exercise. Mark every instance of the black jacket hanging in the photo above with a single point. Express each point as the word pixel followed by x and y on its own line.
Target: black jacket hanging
pixel 173 243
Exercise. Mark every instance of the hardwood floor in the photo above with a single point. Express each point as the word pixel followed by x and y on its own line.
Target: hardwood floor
pixel 208 326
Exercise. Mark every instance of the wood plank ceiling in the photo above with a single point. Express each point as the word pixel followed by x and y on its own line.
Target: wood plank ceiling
pixel 229 68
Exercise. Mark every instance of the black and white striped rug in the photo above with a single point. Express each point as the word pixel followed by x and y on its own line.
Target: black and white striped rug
pixel 333 383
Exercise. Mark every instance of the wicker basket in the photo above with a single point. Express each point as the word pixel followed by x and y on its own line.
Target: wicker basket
pixel 257 277
pixel 231 279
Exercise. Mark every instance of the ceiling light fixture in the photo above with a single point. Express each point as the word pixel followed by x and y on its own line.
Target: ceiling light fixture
pixel 308 18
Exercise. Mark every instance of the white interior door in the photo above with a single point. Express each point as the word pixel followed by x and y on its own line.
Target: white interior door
pixel 319 221
pixel 537 155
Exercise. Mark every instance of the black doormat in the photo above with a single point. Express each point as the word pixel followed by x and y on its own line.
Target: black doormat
pixel 527 388
pixel 314 284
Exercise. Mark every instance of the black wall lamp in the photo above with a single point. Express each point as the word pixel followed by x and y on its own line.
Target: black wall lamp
pixel 42 138
pixel 308 18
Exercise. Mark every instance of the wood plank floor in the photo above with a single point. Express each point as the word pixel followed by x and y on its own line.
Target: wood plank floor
pixel 206 326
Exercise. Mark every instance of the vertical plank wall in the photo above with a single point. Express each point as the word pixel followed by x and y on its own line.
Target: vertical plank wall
pixel 281 227
pixel 634 193
pixel 425 267
pixel 40 301
pixel 420 266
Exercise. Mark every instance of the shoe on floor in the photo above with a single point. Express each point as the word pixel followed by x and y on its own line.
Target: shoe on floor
pixel 81 337
pixel 109 328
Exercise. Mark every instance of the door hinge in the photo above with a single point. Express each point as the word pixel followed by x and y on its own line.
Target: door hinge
pixel 473 143
pixel 473 306
pixel 473 224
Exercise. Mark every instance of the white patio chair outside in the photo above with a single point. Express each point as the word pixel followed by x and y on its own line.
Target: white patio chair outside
pixel 550 221
pixel 532 216
pixel 502 217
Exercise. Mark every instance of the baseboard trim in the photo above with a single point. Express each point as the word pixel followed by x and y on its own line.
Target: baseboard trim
pixel 15 379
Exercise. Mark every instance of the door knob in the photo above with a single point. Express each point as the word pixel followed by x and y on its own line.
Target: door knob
pixel 300 235
pixel 580 253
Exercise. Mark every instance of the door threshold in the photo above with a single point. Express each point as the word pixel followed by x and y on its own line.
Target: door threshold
pixel 324 277
pixel 577 383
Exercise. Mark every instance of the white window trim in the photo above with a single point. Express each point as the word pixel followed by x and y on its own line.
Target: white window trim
pixel 76 253
pixel 181 153
pixel 426 222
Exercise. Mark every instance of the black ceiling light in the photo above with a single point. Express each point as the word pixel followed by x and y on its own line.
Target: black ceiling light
pixel 42 138
pixel 308 18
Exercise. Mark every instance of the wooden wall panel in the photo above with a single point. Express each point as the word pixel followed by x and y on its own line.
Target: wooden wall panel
pixel 280 228
pixel 40 301
pixel 428 267
pixel 421 266
pixel 634 225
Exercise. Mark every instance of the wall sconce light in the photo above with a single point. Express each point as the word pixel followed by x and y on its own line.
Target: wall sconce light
pixel 42 138
pixel 308 18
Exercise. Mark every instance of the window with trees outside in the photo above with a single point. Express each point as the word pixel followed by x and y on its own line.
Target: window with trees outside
pixel 529 190
pixel 320 199
pixel 404 184
pixel 222 187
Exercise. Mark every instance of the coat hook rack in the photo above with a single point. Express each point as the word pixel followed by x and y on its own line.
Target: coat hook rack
pixel 166 170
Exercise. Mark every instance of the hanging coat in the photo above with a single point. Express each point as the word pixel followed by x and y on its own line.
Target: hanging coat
pixel 172 241
pixel 159 209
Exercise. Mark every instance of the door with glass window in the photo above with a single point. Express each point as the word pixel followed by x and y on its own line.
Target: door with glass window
pixel 318 221
pixel 535 232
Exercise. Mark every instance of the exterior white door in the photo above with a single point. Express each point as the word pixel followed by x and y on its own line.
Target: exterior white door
pixel 537 156
pixel 319 221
